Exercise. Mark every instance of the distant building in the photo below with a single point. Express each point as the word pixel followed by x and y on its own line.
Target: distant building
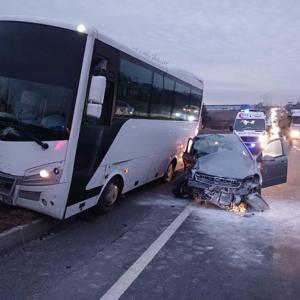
pixel 291 106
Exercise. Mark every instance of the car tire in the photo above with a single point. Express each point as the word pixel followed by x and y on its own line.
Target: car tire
pixel 109 197
pixel 169 173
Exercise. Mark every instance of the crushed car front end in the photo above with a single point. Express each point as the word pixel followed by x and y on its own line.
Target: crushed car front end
pixel 222 191
pixel 223 172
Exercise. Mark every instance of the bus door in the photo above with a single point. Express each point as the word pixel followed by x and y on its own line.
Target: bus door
pixel 96 135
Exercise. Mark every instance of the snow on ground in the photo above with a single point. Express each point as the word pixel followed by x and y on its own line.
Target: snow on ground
pixel 251 239
pixel 162 200
pixel 247 239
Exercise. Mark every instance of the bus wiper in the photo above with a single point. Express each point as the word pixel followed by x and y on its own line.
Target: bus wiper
pixel 26 132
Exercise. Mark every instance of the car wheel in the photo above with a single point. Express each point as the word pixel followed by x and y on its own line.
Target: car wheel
pixel 108 197
pixel 169 173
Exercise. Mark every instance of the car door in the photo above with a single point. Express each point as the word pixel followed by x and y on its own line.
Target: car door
pixel 273 163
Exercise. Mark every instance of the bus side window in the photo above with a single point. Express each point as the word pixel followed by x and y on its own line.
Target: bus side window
pixel 162 97
pixel 134 89
pixel 181 102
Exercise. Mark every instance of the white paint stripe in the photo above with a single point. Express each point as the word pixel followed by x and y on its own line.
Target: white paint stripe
pixel 297 148
pixel 124 282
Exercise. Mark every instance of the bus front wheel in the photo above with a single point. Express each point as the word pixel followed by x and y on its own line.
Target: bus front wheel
pixel 108 197
pixel 170 172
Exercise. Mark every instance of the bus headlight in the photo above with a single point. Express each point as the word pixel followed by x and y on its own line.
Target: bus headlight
pixel 43 175
pixel 294 133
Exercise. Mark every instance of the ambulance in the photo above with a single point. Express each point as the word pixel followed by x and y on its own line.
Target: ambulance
pixel 251 127
pixel 295 125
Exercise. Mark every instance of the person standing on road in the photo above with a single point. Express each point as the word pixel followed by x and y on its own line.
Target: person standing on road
pixel 284 128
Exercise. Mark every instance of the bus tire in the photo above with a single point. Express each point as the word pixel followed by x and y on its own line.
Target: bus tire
pixel 109 196
pixel 170 172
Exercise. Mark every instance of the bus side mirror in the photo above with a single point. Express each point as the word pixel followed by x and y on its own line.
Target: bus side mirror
pixel 96 96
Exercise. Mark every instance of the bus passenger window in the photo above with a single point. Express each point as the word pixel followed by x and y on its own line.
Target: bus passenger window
pixel 195 105
pixel 181 103
pixel 168 96
pixel 156 110
pixel 134 90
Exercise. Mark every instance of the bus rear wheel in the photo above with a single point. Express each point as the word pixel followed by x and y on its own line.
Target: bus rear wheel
pixel 108 197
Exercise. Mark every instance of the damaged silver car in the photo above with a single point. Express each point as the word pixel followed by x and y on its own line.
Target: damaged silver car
pixel 219 169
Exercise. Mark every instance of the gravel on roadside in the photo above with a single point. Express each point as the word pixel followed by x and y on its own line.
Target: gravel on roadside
pixel 11 216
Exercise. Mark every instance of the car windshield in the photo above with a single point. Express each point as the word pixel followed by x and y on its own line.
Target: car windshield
pixel 39 74
pixel 209 144
pixel 296 120
pixel 249 124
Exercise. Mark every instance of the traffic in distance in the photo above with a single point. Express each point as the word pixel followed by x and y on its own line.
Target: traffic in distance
pixel 251 127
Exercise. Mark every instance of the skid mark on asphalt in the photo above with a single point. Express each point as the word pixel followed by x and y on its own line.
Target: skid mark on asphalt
pixel 125 281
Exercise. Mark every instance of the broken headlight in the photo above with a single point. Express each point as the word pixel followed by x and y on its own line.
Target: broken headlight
pixel 251 182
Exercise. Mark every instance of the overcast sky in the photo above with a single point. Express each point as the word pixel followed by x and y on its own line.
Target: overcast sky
pixel 245 51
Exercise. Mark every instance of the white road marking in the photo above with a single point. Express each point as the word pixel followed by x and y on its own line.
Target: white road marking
pixel 125 281
pixel 297 148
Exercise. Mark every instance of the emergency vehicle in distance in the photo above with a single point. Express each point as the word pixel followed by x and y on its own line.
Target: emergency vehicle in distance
pixel 251 127
pixel 295 125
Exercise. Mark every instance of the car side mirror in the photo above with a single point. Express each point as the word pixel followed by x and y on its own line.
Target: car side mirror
pixel 188 159
pixel 96 96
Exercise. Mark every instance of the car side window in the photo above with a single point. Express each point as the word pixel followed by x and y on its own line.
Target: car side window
pixel 273 149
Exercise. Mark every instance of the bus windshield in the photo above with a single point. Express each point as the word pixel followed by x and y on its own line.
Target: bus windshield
pixel 249 124
pixel 39 74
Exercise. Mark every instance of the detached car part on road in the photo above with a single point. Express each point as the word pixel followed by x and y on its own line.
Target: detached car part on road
pixel 220 169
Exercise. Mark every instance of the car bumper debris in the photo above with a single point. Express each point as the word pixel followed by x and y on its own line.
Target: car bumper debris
pixel 227 193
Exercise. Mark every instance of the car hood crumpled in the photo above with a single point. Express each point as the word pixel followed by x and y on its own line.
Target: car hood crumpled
pixel 229 164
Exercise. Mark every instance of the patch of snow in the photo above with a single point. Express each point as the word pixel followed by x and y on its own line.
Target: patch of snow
pixel 251 241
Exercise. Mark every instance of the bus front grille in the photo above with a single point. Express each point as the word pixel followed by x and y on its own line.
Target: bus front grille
pixel 6 185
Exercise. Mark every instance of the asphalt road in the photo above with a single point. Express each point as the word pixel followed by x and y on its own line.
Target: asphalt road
pixel 152 246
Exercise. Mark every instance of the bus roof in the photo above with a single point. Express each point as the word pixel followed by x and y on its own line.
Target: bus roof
pixel 176 72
